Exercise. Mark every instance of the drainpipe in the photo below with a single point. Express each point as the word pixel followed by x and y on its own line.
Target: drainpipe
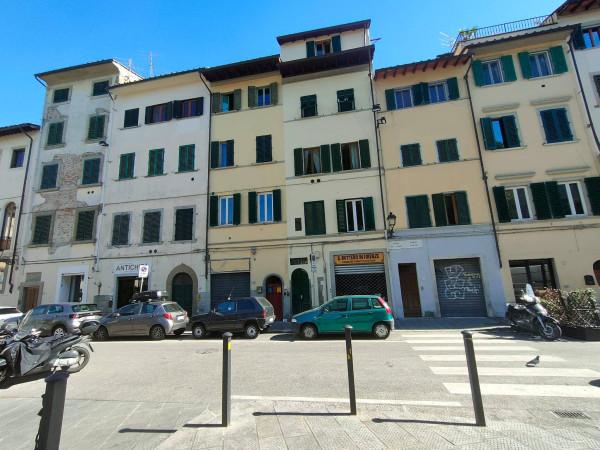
pixel 14 253
pixel 206 254
pixel 484 176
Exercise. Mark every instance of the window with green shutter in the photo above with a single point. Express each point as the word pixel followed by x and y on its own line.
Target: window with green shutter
pixel 151 227
pixel 120 231
pixel 500 132
pixel 355 215
pixel 592 185
pixel 126 166
pixel 187 158
pixel 184 224
pixel 345 99
pixel 314 218
pixel 447 150
pixel 411 155
pixel 84 228
pixel 55 133
pixel 49 176
pixel 221 154
pixel 42 228
pixel 417 209
pixel 308 106
pixel 556 125
pixel 264 148
pixel 131 118
pixel 100 88
pixel 451 209
pixel 61 95
pixel 91 171
pixel 96 127
pixel 156 162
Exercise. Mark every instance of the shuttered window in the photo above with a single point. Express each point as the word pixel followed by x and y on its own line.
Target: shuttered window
pixel 411 155
pixel 264 148
pixel 547 200
pixel 187 157
pixel 314 218
pixel 131 118
pixel 84 229
pixel 345 99
pixel 225 210
pixel 120 231
pixel 42 227
pixel 126 166
pixel 184 224
pixel 49 176
pixel 188 108
pixel 447 150
pixel 355 215
pixel 556 125
pixel 264 207
pixel 151 227
pixel 55 133
pixel 417 209
pixel 512 203
pixel 308 106
pixel 221 154
pixel 91 171
pixel 100 88
pixel 451 209
pixel 159 113
pixel 571 198
pixel 61 95
pixel 96 127
pixel 156 162
pixel 500 132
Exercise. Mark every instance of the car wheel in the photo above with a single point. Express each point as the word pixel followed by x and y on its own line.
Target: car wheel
pixel 101 334
pixel 198 331
pixel 179 332
pixel 59 331
pixel 157 333
pixel 251 331
pixel 381 331
pixel 309 331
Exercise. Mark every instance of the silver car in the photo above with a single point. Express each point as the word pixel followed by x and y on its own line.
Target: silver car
pixel 9 315
pixel 155 319
pixel 58 319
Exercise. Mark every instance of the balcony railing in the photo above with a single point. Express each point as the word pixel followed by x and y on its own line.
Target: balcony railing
pixel 5 244
pixel 509 27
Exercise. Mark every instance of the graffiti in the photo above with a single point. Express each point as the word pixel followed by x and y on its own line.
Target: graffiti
pixel 459 283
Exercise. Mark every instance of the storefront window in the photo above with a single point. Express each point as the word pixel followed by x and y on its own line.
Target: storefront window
pixel 537 272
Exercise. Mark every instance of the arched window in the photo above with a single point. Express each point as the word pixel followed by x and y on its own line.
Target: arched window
pixel 8 226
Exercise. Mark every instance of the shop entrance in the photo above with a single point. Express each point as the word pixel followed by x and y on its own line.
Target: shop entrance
pixel 300 291
pixel 274 293
pixel 182 291
pixel 30 297
pixel 71 288
pixel 126 287
pixel 360 274
pixel 409 289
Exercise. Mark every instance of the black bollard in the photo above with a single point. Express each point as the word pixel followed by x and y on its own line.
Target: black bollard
pixel 53 406
pixel 348 333
pixel 474 379
pixel 226 387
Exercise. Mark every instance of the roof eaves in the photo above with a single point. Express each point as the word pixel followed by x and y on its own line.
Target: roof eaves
pixel 18 128
pixel 159 77
pixel 525 35
pixel 323 31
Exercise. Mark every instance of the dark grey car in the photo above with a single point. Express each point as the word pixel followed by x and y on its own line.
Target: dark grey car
pixel 58 319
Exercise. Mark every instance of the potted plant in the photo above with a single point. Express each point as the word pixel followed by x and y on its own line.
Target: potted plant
pixel 577 312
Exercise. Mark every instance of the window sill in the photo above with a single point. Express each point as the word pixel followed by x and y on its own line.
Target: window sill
pixel 53 146
pixel 229 112
pixel 225 167
pixel 253 108
pixel 84 186
pixel 132 126
pixel 502 83
pixel 507 149
pixel 118 245
pixel 227 225
pixel 184 241
pixel 424 104
pixel 47 244
pixel 186 171
pixel 551 144
pixel 42 191
pixel 322 174
pixel 124 179
pixel 156 175
pixel 150 244
pixel 66 102
pixel 92 241
pixel 94 141
pixel 101 95
pixel 263 163
pixel 158 123
pixel 552 75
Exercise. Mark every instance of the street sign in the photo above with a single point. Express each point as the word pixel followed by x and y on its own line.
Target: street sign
pixel 143 271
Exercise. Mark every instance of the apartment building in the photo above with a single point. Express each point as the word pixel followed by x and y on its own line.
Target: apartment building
pixel 16 143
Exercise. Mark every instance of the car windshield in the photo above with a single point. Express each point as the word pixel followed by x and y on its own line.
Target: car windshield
pixel 85 307
pixel 263 302
pixel 172 307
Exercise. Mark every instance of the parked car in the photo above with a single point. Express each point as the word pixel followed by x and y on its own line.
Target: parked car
pixel 9 315
pixel 153 318
pixel 250 315
pixel 59 319
pixel 366 314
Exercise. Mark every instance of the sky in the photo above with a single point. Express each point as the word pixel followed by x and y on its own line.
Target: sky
pixel 41 35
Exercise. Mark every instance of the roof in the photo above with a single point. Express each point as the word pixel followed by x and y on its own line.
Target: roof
pixel 330 61
pixel 159 77
pixel 323 31
pixel 19 128
pixel 522 35
pixel 255 66
pixel 81 66
pixel 575 6
pixel 441 61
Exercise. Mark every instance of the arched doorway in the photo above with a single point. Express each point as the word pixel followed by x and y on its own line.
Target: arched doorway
pixel 300 291
pixel 597 271
pixel 182 291
pixel 274 293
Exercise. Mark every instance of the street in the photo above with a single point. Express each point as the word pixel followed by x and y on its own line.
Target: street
pixel 412 391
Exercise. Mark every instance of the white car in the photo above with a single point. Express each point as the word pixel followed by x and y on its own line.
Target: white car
pixel 9 314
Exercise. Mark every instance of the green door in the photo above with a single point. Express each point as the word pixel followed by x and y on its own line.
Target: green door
pixel 334 316
pixel 361 315
pixel 182 291
pixel 300 291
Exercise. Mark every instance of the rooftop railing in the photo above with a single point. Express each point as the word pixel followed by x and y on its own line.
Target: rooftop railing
pixel 508 27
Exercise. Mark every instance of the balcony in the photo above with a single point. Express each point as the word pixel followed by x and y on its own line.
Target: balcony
pixel 503 28
pixel 5 244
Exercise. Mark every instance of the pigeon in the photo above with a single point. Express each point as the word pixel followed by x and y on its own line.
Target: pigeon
pixel 534 362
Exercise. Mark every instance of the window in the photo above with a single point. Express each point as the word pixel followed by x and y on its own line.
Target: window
pixel 126 166
pixel 221 154
pixel 188 108
pixel 246 305
pixel 355 217
pixel 226 210
pixel 49 176
pixel 8 226
pixel 18 158
pixel 314 218
pixel 591 37
pixel 130 310
pixel 403 98
pixel 226 307
pixel 518 203
pixel 312 160
pixel 298 224
pixel 159 113
pixel 84 228
pixel 500 132
pixel 148 308
pixel 225 159
pixel 3 273
pixel 492 72
pixel 359 304
pixel 100 88
pixel 263 96
pixel 571 198
pixel 42 227
pixel 337 305
pixel 184 224
pixel 91 171
pixel 437 92
pixel 411 155
pixel 264 148
pixel 96 127
pixel 322 47
pixel 451 209
pixel 539 273
pixel 151 227
pixel 131 118
pixel 345 100
pixel 447 150
pixel 556 125
pixel 120 232
pixel 308 106
pixel 540 64
pixel 55 133
pixel 417 208
pixel 265 207
pixel 227 102
pixel 597 83
pixel 187 157
pixel 156 162
pixel 60 95
pixel 350 156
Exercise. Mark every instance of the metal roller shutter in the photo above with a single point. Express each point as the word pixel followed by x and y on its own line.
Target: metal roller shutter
pixel 460 290
pixel 222 285
pixel 365 279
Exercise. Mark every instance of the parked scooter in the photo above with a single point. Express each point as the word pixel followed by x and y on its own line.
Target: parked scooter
pixel 28 354
pixel 528 314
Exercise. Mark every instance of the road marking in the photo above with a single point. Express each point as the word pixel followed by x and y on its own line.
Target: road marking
pixel 519 372
pixel 531 390
pixel 480 348
pixel 366 401
pixel 443 335
pixel 458 340
pixel 522 358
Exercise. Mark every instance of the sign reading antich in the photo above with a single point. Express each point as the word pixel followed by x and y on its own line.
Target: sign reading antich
pixel 359 258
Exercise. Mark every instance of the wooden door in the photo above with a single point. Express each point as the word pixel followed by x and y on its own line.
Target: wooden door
pixel 275 295
pixel 31 295
pixel 409 288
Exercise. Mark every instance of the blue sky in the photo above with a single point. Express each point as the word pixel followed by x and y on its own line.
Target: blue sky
pixel 37 35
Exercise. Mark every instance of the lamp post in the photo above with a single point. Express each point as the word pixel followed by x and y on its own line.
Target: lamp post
pixel 391 223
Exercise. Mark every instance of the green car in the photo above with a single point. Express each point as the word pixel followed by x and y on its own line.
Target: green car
pixel 366 314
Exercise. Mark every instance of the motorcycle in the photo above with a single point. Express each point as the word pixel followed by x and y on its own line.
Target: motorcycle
pixel 528 314
pixel 27 354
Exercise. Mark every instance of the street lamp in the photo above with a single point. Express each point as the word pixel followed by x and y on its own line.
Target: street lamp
pixel 391 223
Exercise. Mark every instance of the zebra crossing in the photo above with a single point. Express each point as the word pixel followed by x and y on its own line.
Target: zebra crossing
pixel 501 364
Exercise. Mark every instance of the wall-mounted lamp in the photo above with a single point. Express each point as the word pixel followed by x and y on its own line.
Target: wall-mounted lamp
pixel 103 143
pixel 391 223
pixel 381 121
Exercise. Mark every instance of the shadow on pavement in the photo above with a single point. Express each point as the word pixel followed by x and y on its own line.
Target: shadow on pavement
pixel 145 430
pixel 202 425
pixel 22 380
pixel 291 337
pixel 429 422
pixel 294 413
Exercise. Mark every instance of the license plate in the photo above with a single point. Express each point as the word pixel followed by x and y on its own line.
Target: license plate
pixel 180 317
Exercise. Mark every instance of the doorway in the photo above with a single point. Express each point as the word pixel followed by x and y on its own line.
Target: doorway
pixel 300 291
pixel 597 271
pixel 71 288
pixel 274 290
pixel 31 295
pixel 182 291
pixel 409 289
pixel 126 287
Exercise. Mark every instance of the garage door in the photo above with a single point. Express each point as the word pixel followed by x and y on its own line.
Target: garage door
pixel 234 284
pixel 367 279
pixel 460 290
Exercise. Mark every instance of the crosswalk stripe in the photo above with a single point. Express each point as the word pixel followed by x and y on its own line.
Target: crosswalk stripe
pixel 441 335
pixel 521 358
pixel 478 348
pixel 458 340
pixel 532 390
pixel 519 372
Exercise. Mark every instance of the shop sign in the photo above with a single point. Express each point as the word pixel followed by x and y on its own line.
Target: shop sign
pixel 359 258
pixel 405 243
pixel 143 271
pixel 132 269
